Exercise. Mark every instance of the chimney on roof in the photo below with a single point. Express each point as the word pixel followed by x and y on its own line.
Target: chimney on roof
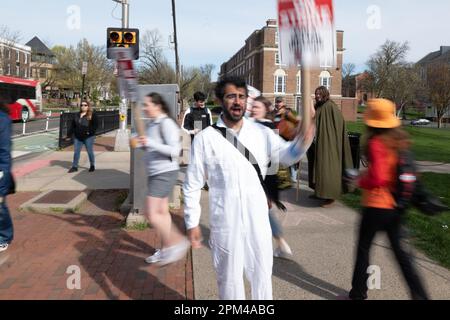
pixel 271 23
pixel 444 49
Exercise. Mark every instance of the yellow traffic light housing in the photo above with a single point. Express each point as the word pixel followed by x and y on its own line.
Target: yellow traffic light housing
pixel 122 38
pixel 115 36
pixel 129 37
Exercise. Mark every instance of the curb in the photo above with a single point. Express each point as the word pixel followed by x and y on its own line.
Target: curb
pixel 70 207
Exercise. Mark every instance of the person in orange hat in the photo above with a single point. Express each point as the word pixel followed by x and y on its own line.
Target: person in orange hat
pixel 385 140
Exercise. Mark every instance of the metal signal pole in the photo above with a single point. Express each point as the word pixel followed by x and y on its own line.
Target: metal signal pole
pixel 122 139
pixel 175 38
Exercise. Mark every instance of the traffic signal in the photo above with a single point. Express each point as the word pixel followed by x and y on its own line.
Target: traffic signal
pixel 122 38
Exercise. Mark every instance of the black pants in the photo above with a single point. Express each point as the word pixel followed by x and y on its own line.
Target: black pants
pixel 375 220
pixel 311 154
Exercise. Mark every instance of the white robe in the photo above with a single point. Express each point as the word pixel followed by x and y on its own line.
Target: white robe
pixel 241 238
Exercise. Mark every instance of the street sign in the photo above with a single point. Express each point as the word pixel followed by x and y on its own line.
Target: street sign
pixel 307 34
pixel 84 68
pixel 126 73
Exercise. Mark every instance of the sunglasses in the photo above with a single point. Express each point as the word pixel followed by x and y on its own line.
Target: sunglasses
pixel 84 105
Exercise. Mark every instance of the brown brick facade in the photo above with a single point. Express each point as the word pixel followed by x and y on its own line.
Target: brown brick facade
pixel 10 65
pixel 256 62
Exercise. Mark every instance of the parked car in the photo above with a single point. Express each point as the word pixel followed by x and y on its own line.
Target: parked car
pixel 420 122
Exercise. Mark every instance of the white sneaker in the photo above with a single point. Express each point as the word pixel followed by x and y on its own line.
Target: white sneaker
pixel 4 247
pixel 283 251
pixel 284 247
pixel 156 257
pixel 174 253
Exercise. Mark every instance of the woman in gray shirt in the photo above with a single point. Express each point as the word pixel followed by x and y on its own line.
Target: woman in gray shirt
pixel 162 144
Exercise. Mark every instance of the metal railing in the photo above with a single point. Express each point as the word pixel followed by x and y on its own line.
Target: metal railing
pixel 107 122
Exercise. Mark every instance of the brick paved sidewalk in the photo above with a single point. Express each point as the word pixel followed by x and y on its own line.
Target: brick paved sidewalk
pixel 111 259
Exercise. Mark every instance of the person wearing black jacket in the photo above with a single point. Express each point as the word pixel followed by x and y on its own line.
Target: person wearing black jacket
pixel 198 117
pixel 6 225
pixel 83 129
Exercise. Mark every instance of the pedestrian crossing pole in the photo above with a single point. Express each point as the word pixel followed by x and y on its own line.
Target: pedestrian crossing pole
pixel 122 138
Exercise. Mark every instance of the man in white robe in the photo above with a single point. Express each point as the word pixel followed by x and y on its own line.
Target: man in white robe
pixel 241 237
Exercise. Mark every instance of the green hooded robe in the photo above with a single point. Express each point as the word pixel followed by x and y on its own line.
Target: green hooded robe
pixel 330 154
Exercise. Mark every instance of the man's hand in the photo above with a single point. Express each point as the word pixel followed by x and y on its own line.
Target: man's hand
pixel 195 236
pixel 142 140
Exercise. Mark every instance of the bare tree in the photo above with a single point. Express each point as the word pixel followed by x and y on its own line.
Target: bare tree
pixel 438 87
pixel 8 38
pixel 403 87
pixel 348 81
pixel 155 68
pixel 382 66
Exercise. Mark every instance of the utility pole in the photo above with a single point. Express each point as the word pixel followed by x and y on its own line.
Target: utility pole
pixel 122 138
pixel 175 38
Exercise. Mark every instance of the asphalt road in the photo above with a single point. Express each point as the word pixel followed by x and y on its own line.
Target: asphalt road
pixel 36 125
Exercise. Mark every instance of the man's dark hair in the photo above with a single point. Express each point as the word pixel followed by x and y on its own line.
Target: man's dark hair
pixel 324 93
pixel 199 96
pixel 236 81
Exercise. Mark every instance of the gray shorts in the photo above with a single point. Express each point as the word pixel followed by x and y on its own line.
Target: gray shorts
pixel 161 185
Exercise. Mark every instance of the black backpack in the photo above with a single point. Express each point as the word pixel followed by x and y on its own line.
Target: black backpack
pixel 409 190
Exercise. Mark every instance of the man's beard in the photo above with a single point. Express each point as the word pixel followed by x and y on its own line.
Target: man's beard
pixel 319 103
pixel 227 114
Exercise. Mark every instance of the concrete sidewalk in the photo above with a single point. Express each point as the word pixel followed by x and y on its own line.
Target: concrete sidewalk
pixel 323 242
pixel 436 167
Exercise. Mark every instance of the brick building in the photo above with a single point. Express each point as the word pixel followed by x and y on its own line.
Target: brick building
pixel 440 57
pixel 259 63
pixel 15 59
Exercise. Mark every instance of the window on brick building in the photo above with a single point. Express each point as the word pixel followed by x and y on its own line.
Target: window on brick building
pixel 17 56
pixel 42 73
pixel 299 82
pixel 276 37
pixel 9 69
pixel 277 59
pixel 325 79
pixel 280 81
pixel 18 71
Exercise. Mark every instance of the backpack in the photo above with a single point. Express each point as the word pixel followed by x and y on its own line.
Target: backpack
pixel 409 190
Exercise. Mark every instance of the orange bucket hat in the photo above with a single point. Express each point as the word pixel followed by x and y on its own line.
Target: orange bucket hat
pixel 380 113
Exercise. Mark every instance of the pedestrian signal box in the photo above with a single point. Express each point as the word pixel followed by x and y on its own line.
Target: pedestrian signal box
pixel 122 38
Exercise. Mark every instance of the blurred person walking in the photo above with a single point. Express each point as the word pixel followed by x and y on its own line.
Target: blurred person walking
pixel 6 180
pixel 241 238
pixel 385 142
pixel 162 145
pixel 330 154
pixel 286 122
pixel 259 112
pixel 83 129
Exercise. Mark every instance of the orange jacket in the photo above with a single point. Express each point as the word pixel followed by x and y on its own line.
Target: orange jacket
pixel 380 179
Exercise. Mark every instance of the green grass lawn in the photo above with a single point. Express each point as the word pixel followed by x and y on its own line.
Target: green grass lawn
pixel 429 234
pixel 429 144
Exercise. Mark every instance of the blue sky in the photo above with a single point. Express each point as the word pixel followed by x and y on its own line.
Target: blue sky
pixel 211 31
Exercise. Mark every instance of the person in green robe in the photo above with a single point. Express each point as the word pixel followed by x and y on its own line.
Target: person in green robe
pixel 330 154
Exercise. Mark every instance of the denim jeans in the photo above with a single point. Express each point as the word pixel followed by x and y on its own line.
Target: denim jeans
pixel 277 230
pixel 6 225
pixel 78 144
